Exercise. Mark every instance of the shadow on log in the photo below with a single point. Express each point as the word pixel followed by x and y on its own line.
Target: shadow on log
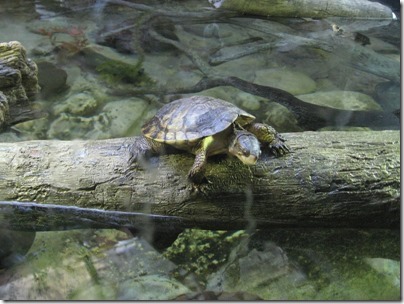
pixel 331 179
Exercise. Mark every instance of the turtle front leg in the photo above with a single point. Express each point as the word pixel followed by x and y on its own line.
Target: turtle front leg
pixel 267 134
pixel 143 148
pixel 197 172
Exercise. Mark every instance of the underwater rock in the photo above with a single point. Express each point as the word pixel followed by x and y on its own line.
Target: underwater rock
pixel 95 55
pixel 248 101
pixel 87 84
pixel 121 36
pixel 344 100
pixel 172 72
pixel 163 26
pixel 14 246
pixel 389 268
pixel 265 272
pixel 18 84
pixel 114 68
pixel 281 118
pixel 81 104
pixel 68 126
pixel 18 74
pixel 10 137
pixel 293 82
pixel 210 30
pixel 100 268
pixel 51 78
pixel 388 94
pixel 220 296
pixel 143 272
pixel 381 46
pixel 138 258
pixel 32 129
pixel 324 84
pixel 4 110
pixel 244 67
pixel 117 36
pixel 151 287
pixel 127 116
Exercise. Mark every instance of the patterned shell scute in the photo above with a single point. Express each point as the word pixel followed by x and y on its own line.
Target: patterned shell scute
pixel 192 118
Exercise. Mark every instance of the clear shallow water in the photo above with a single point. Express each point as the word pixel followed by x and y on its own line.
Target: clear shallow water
pixel 101 99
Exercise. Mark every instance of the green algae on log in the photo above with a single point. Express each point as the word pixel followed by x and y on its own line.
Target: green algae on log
pixel 331 179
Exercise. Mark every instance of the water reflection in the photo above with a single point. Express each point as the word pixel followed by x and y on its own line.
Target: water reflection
pixel 104 70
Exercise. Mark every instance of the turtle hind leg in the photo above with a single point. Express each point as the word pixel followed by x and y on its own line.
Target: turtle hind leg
pixel 268 135
pixel 143 148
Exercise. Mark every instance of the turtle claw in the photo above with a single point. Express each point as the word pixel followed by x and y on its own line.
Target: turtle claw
pixel 197 178
pixel 200 187
pixel 278 147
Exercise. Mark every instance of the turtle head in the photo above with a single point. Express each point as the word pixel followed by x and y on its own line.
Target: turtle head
pixel 245 146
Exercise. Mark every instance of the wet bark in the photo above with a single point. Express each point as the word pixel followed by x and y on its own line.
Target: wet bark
pixel 331 179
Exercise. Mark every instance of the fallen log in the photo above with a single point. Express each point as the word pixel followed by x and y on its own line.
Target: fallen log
pixel 331 179
pixel 307 8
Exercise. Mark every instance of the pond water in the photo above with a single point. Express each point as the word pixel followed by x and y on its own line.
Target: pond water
pixel 105 67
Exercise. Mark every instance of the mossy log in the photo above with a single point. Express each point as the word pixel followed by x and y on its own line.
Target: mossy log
pixel 307 8
pixel 331 179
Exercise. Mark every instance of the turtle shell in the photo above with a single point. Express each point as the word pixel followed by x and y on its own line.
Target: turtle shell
pixel 192 118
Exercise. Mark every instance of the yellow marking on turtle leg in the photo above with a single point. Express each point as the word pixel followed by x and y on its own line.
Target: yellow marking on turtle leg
pixel 206 142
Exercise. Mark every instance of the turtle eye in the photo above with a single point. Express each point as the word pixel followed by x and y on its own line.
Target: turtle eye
pixel 244 152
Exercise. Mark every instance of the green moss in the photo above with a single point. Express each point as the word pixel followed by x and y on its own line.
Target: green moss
pixel 202 251
pixel 114 71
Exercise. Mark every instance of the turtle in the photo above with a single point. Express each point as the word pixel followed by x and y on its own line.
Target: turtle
pixel 206 126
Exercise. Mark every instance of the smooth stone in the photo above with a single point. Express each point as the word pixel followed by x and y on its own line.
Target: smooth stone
pixel 389 95
pixel 172 72
pixel 381 46
pixel 248 101
pixel 386 267
pixel 343 100
pixel 281 118
pixel 293 82
pixel 325 84
pixel 243 67
pixel 96 54
pixel 267 273
pixel 145 272
pixel 9 137
pixel 396 57
pixel 51 79
pixel 151 287
pixel 127 116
